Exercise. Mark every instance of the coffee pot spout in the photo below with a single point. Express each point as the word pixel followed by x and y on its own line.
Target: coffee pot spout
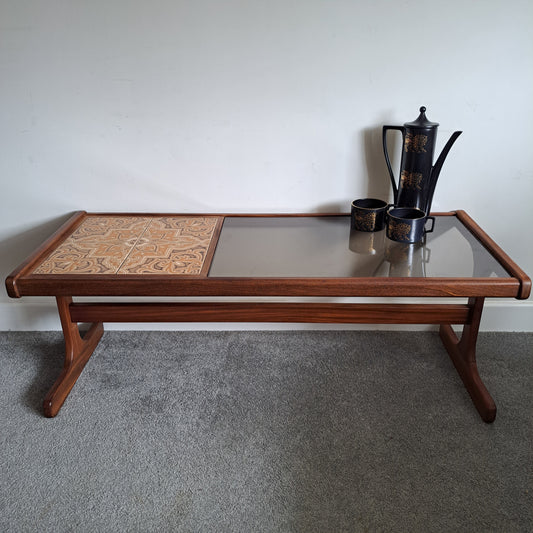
pixel 436 168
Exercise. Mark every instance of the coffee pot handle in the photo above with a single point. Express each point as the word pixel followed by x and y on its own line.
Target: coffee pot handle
pixel 387 159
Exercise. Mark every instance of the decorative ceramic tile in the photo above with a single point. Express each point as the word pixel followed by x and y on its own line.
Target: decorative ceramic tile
pixel 133 245
pixel 171 245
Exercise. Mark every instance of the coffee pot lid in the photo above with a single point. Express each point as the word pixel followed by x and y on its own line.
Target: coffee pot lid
pixel 421 121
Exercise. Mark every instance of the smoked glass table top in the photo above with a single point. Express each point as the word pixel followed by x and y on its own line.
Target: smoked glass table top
pixel 325 246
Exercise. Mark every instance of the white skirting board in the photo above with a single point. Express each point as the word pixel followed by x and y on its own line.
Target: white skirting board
pixel 40 314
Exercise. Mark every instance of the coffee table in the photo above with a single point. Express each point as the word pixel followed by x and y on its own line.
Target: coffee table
pixel 307 259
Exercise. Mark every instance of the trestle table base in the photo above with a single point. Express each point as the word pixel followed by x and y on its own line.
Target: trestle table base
pixel 462 352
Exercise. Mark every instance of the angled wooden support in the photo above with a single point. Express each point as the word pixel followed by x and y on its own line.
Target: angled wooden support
pixel 463 355
pixel 78 350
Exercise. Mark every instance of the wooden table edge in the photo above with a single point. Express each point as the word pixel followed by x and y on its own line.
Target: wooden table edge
pixel 22 283
pixel 42 251
pixel 490 245
pixel 167 285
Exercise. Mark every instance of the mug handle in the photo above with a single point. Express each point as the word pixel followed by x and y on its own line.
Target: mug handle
pixel 432 224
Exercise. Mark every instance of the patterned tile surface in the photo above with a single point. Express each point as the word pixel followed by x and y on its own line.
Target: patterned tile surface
pixel 133 245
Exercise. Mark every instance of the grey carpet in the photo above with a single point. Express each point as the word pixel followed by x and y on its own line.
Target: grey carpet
pixel 266 432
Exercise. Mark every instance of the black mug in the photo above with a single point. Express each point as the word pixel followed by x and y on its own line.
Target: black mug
pixel 407 224
pixel 368 214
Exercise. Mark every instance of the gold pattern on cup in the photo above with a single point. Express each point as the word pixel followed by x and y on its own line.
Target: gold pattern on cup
pixel 399 230
pixel 365 221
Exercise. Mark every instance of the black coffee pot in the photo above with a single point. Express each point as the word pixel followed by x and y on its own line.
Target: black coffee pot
pixel 418 175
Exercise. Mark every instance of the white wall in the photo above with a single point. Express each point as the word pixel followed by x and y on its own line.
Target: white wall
pixel 255 106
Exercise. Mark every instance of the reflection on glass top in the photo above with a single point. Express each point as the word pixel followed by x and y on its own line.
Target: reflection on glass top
pixel 326 247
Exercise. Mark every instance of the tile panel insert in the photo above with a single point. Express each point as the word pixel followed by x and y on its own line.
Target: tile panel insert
pixel 133 245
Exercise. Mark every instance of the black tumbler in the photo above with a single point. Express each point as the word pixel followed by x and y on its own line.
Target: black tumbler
pixel 368 214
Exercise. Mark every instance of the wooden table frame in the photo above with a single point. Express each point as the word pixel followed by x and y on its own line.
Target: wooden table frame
pixel 22 282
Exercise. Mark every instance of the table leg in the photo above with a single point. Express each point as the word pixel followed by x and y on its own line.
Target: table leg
pixel 463 354
pixel 78 350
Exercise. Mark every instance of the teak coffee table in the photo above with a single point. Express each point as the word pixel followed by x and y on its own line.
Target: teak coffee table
pixel 263 256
